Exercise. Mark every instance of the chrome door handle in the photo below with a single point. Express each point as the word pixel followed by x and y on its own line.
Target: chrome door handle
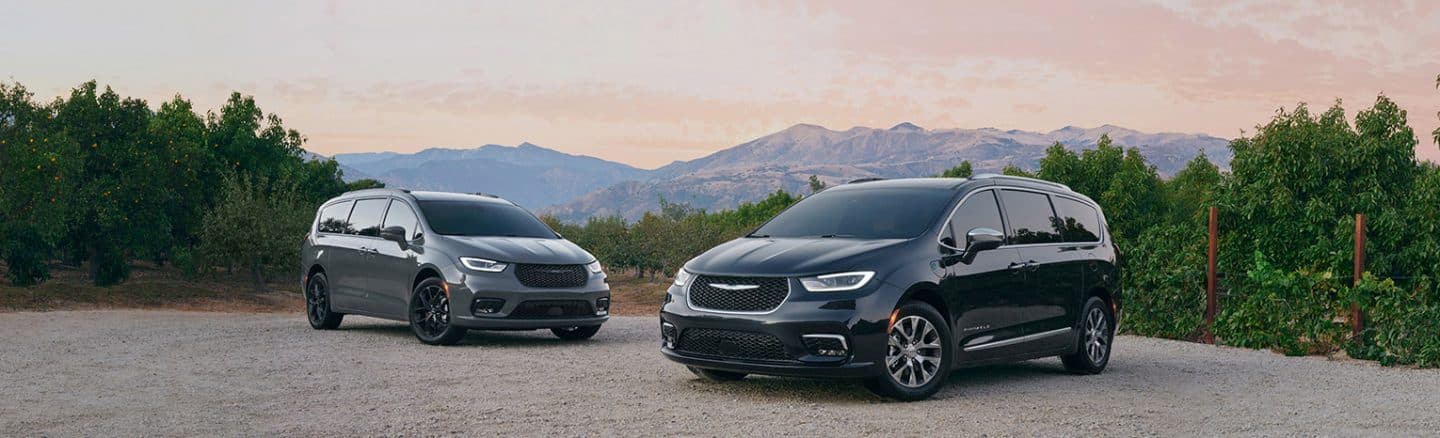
pixel 1032 266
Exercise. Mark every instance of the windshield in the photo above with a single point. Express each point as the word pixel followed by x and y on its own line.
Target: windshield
pixel 477 218
pixel 878 213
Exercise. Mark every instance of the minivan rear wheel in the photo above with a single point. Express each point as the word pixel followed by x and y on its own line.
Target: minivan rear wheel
pixel 917 354
pixel 430 314
pixel 1097 332
pixel 317 304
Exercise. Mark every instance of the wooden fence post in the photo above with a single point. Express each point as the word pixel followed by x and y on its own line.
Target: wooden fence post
pixel 1212 302
pixel 1357 318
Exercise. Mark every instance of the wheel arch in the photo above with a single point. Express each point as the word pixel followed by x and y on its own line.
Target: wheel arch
pixel 928 293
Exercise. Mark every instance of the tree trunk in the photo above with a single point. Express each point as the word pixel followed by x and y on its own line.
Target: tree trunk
pixel 94 265
pixel 258 274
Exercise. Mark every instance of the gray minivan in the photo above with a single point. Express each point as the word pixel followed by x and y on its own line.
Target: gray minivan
pixel 445 263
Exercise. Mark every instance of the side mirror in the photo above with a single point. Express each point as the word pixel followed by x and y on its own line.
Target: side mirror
pixel 982 239
pixel 394 233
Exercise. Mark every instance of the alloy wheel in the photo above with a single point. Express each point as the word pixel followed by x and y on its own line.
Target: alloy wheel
pixel 1097 336
pixel 914 353
pixel 431 310
pixel 317 302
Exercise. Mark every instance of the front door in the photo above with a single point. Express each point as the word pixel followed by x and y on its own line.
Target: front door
pixel 989 289
pixel 393 265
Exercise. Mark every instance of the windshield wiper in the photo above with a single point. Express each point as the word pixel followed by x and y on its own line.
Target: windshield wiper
pixel 828 236
pixel 758 236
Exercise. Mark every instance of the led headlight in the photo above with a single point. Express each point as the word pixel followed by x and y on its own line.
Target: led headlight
pixel 837 282
pixel 595 267
pixel 482 265
pixel 683 278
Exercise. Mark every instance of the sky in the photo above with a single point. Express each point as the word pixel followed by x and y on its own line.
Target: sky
pixel 647 83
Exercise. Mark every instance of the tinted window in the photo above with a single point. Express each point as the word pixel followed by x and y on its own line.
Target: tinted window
pixel 482 218
pixel 336 219
pixel 978 211
pixel 1031 219
pixel 877 213
pixel 1078 222
pixel 365 218
pixel 401 215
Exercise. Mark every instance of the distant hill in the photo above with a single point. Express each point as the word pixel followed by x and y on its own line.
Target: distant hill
pixel 527 174
pixel 787 158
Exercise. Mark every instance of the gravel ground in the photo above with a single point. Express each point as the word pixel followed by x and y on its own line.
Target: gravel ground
pixel 126 373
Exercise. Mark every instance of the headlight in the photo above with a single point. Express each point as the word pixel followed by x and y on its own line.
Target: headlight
pixel 683 278
pixel 595 267
pixel 482 265
pixel 837 282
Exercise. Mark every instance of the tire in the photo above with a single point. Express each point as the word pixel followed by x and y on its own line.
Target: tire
pixel 917 359
pixel 575 333
pixel 717 375
pixel 430 314
pixel 1097 334
pixel 317 304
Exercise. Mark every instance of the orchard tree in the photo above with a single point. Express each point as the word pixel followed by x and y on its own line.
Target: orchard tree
pixel 964 170
pixel 39 172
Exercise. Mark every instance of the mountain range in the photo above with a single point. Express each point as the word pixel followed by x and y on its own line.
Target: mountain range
pixel 575 187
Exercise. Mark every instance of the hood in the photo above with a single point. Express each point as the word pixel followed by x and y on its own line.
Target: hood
pixel 520 250
pixel 787 256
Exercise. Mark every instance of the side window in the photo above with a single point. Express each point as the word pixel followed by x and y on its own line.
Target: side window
pixel 401 215
pixel 1031 218
pixel 335 219
pixel 365 218
pixel 979 211
pixel 1079 222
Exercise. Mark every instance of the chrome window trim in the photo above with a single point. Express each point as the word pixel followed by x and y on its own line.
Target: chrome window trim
pixel 1104 231
pixel 789 289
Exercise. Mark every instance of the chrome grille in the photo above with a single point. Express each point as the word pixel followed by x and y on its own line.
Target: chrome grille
pixel 738 294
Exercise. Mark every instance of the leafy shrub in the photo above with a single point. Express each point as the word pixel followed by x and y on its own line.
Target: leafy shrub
pixel 25 255
pixel 1292 311
pixel 1402 326
pixel 1165 283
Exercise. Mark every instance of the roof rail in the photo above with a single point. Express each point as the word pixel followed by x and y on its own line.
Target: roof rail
pixel 864 180
pixel 377 189
pixel 1020 178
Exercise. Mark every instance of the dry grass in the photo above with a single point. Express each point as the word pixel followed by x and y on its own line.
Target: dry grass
pixel 636 296
pixel 150 287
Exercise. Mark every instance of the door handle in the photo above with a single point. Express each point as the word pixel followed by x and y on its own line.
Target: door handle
pixel 1017 267
pixel 1032 266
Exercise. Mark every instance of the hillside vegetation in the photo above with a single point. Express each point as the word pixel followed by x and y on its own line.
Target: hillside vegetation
pixel 99 181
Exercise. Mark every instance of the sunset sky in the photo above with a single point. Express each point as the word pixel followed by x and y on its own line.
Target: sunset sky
pixel 647 83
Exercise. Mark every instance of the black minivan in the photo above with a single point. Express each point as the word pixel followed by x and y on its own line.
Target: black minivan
pixel 898 282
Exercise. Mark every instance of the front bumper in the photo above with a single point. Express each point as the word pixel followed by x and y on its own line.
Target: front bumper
pixel 464 292
pixel 803 313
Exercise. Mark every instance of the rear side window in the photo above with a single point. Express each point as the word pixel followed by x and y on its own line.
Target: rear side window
pixel 365 218
pixel 1031 218
pixel 336 219
pixel 1078 222
pixel 401 215
pixel 978 211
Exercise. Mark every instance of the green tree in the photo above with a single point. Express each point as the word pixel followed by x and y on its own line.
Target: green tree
pixel 39 172
pixel 964 170
pixel 255 225
pixel 816 185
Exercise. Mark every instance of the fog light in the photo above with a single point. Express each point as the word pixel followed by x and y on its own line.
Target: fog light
pixel 602 306
pixel 486 306
pixel 667 335
pixel 826 345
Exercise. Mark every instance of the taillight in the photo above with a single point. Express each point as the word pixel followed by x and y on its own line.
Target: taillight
pixel 305 239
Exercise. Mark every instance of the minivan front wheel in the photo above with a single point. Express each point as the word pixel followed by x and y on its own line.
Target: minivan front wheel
pixel 430 314
pixel 917 354
pixel 317 304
